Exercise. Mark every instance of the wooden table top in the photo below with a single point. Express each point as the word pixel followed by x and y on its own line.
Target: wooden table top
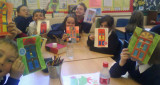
pixel 81 51
pixel 72 68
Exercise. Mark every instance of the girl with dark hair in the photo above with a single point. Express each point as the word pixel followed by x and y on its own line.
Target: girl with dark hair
pixel 114 45
pixel 59 29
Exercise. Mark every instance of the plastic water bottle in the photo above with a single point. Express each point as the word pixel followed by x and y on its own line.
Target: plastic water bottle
pixel 70 49
pixel 104 75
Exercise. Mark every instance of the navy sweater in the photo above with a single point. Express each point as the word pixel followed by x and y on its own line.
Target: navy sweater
pixel 22 23
pixel 149 77
pixel 10 81
pixel 114 46
pixel 58 29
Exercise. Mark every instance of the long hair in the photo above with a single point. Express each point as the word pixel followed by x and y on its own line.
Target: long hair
pixel 136 19
pixel 110 21
pixel 63 26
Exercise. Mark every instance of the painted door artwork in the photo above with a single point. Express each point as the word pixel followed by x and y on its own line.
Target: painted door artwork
pixel 73 33
pixel 101 37
pixel 31 55
pixel 3 18
pixel 43 28
pixel 142 46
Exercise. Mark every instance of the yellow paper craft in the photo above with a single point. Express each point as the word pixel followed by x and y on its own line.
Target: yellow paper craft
pixel 6 10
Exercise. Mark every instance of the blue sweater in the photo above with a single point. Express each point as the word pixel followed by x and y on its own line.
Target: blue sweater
pixel 10 81
pixel 149 77
pixel 58 29
pixel 22 23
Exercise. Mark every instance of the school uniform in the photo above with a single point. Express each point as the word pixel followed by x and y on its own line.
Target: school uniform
pixel 84 26
pixel 150 76
pixel 10 81
pixel 113 46
pixel 156 29
pixel 22 23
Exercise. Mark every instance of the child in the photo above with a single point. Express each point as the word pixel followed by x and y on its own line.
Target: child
pixel 23 19
pixel 80 11
pixel 9 62
pixel 58 31
pixel 113 42
pixel 146 74
pixel 38 14
pixel 136 20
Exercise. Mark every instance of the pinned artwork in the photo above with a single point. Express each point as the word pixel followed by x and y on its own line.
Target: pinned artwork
pixel 30 50
pixel 43 26
pixel 90 15
pixel 6 10
pixel 81 79
pixel 73 33
pixel 101 37
pixel 142 44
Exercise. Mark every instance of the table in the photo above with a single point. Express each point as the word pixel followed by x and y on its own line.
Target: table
pixel 74 67
pixel 83 62
pixel 81 51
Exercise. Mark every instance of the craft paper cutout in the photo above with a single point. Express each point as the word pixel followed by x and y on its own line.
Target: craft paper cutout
pixel 142 44
pixel 73 33
pixel 101 37
pixel 6 10
pixel 89 15
pixel 81 79
pixel 30 50
pixel 43 26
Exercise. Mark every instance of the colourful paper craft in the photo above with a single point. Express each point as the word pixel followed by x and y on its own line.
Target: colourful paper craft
pixel 142 44
pixel 6 10
pixel 43 26
pixel 81 79
pixel 73 33
pixel 89 15
pixel 101 37
pixel 30 50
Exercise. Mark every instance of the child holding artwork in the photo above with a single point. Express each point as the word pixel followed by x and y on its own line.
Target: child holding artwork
pixel 10 63
pixel 136 20
pixel 80 12
pixel 23 19
pixel 145 74
pixel 60 29
pixel 107 21
pixel 38 14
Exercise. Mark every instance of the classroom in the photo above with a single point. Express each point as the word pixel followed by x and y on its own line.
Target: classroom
pixel 79 42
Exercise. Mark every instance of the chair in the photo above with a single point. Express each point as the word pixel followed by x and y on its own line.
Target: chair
pixel 121 23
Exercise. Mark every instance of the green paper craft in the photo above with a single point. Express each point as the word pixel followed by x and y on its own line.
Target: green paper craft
pixel 142 44
pixel 29 49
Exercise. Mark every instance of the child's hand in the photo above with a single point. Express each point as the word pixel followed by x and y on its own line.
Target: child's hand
pixel 35 32
pixel 124 56
pixel 17 69
pixel 44 35
pixel 152 21
pixel 91 37
pixel 64 37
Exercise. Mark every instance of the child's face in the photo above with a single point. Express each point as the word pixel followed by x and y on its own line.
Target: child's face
pixel 38 16
pixel 24 12
pixel 80 10
pixel 7 56
pixel 104 25
pixel 70 22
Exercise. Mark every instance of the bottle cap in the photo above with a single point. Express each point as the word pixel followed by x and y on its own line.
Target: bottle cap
pixel 54 45
pixel 105 64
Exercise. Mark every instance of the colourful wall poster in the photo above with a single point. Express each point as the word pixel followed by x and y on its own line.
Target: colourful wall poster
pixel 95 3
pixel 43 26
pixel 101 37
pixel 16 3
pixel 30 50
pixel 81 79
pixel 142 44
pixel 6 10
